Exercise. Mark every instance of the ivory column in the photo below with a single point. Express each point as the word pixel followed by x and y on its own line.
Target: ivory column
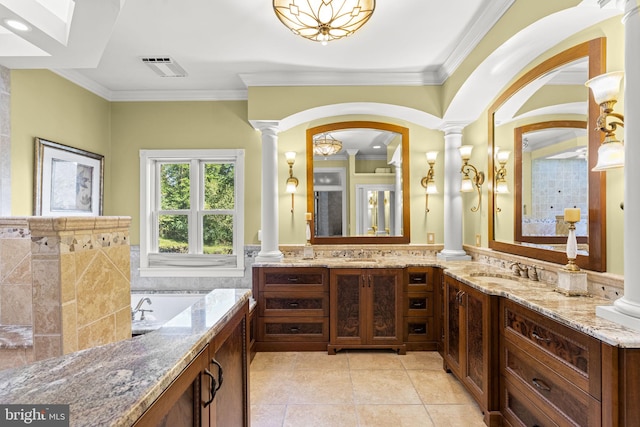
pixel 452 197
pixel 269 250
pixel 626 310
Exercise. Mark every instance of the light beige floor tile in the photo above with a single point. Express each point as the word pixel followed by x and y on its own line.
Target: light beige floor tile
pixel 267 415
pixel 372 359
pixel 320 416
pixel 313 360
pixel 383 387
pixel 422 360
pixel 270 387
pixel 393 415
pixel 456 415
pixel 439 387
pixel 321 387
pixel 281 361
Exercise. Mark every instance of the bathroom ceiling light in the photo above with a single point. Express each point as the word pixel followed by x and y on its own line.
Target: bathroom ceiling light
pixel 324 20
pixel 17 25
pixel 326 145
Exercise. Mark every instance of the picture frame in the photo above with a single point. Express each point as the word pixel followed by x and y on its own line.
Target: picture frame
pixel 67 181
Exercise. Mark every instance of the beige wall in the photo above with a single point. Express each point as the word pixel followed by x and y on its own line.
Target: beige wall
pixel 47 106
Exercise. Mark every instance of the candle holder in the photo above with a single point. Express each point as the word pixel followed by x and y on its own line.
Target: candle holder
pixel 572 248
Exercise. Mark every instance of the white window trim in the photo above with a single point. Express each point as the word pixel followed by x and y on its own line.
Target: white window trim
pixel 148 159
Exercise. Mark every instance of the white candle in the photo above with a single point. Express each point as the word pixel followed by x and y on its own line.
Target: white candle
pixel 572 215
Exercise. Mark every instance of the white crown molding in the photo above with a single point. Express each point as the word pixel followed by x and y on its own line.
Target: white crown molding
pixel 155 95
pixel 337 79
pixel 483 22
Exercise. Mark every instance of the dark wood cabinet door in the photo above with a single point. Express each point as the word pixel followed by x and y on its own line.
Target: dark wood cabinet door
pixel 384 291
pixel 347 311
pixel 453 322
pixel 475 351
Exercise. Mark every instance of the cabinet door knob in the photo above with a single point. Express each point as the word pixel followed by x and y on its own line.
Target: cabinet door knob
pixel 541 385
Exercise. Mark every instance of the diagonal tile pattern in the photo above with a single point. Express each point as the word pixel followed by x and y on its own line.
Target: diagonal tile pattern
pixel 357 389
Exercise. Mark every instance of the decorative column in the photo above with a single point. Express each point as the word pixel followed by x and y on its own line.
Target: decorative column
pixel 397 221
pixel 269 250
pixel 626 310
pixel 452 197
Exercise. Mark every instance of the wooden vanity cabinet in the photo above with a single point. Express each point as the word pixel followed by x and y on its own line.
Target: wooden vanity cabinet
pixel 366 309
pixel 471 344
pixel 549 372
pixel 213 390
pixel 421 329
pixel 292 308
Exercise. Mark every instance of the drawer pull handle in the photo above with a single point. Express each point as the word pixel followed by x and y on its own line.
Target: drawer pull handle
pixel 419 330
pixel 292 279
pixel 417 279
pixel 541 385
pixel 417 304
pixel 294 329
pixel 293 304
pixel 211 390
pixel 539 338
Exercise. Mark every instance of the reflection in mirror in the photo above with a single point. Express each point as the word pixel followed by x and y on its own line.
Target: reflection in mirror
pixel 357 183
pixel 543 118
pixel 551 174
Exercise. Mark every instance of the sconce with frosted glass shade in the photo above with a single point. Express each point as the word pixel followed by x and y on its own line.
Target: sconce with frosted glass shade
pixel 468 183
pixel 501 186
pixel 606 89
pixel 292 181
pixel 428 182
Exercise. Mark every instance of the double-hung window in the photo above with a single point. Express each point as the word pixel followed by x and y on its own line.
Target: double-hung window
pixel 191 213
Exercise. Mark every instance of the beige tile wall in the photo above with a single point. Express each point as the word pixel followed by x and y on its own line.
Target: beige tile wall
pixel 15 272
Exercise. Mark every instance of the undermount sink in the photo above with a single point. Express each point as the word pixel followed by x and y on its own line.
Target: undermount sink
pixel 497 278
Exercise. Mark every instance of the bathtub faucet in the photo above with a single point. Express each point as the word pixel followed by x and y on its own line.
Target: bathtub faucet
pixel 139 309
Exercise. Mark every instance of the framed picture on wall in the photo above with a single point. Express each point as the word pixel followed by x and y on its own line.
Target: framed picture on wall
pixel 67 181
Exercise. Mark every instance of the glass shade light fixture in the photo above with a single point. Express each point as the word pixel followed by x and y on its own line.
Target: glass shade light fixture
pixel 428 182
pixel 501 186
pixel 468 183
pixel 571 216
pixel 324 20
pixel 292 181
pixel 326 145
pixel 605 89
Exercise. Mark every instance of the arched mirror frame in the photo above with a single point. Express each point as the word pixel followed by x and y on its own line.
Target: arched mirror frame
pixel 595 50
pixel 331 127
pixel 517 167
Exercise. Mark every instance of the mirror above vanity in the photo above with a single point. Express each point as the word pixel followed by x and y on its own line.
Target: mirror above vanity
pixel 357 183
pixel 543 118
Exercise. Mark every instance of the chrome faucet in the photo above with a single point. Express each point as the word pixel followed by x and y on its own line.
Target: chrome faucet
pixel 518 269
pixel 139 309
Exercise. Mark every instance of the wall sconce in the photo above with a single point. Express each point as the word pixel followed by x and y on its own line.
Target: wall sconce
pixel 428 182
pixel 468 183
pixel 501 186
pixel 292 181
pixel 605 89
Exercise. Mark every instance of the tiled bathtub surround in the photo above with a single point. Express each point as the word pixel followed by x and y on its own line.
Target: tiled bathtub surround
pixel 67 279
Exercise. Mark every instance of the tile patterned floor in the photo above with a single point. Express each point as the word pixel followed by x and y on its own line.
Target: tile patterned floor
pixel 357 389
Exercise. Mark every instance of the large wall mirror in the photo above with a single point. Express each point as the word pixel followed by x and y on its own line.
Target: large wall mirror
pixel 547 118
pixel 358 183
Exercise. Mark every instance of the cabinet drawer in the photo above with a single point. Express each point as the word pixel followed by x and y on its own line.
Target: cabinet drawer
pixel 561 400
pixel 419 329
pixel 418 304
pixel 568 352
pixel 294 304
pixel 518 411
pixel 417 279
pixel 299 329
pixel 294 279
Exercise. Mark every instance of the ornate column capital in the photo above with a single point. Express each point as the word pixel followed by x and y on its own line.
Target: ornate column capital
pixel 453 127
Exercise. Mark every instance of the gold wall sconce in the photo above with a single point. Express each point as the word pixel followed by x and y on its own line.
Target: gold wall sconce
pixel 501 186
pixel 606 89
pixel 292 181
pixel 468 184
pixel 428 182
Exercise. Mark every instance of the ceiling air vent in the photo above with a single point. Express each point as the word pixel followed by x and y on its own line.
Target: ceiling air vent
pixel 165 66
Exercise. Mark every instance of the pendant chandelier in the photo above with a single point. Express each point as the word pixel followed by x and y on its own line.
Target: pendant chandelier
pixel 324 20
pixel 326 145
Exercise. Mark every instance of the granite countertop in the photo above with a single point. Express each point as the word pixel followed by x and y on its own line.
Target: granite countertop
pixel 112 385
pixel 578 312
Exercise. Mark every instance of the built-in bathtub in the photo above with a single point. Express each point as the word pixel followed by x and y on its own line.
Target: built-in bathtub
pixel 165 307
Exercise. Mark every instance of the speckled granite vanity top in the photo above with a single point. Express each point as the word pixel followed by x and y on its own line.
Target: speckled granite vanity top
pixel 114 384
pixel 576 312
